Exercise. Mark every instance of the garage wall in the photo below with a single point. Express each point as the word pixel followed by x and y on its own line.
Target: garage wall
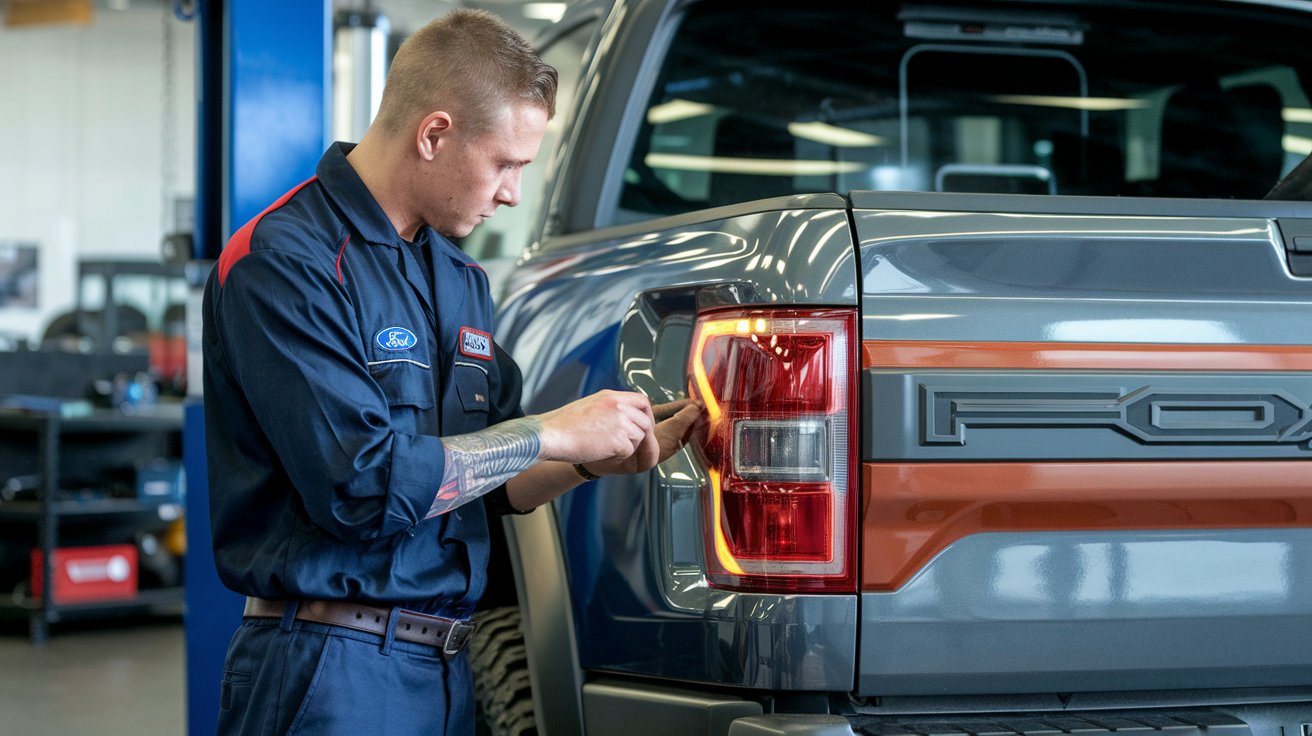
pixel 84 131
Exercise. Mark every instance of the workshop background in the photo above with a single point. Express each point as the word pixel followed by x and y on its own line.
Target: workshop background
pixel 125 163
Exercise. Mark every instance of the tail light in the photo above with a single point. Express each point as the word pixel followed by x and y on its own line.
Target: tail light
pixel 779 447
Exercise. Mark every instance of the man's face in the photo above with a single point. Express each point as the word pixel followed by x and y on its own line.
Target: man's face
pixel 480 173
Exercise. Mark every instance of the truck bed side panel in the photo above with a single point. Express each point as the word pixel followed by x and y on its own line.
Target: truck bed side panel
pixel 614 311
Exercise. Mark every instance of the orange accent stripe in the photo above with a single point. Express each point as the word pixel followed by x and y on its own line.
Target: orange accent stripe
pixel 1061 355
pixel 912 512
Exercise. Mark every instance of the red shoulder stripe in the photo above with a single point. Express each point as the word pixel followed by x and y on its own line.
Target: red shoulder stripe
pixel 240 242
pixel 341 253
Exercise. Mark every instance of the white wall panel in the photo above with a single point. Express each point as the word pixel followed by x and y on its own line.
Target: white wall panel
pixel 82 144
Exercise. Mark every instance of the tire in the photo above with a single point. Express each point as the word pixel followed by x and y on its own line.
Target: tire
pixel 500 665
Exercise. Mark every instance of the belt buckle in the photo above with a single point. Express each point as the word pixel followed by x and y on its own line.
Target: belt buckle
pixel 458 636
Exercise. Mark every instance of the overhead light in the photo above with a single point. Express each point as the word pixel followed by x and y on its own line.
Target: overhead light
pixel 544 11
pixel 833 135
pixel 1301 145
pixel 756 166
pixel 117 4
pixel 677 109
pixel 1296 115
pixel 1092 104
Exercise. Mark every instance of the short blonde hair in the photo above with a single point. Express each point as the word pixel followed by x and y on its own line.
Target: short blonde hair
pixel 469 63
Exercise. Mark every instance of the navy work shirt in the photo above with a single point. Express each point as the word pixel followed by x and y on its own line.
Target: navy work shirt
pixel 334 359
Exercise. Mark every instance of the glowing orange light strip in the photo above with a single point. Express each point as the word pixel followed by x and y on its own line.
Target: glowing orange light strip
pixel 714 416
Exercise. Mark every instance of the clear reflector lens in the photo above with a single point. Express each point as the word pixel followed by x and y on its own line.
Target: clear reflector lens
pixel 779 450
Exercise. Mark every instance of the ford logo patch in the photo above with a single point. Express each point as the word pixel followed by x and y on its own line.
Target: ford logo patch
pixel 396 338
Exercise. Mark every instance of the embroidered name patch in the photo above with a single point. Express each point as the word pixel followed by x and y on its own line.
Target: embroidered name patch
pixel 395 338
pixel 475 344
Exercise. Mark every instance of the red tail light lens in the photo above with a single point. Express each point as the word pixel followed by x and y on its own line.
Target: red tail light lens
pixel 778 447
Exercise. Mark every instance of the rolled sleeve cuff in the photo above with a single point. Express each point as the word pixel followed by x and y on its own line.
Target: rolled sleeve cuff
pixel 416 474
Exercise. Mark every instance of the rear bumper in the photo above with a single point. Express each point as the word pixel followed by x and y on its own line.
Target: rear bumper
pixel 628 707
pixel 1187 722
pixel 792 725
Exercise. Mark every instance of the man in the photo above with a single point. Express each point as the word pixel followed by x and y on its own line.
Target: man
pixel 363 424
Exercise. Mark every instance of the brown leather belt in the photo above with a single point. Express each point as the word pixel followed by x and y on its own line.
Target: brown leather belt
pixel 446 634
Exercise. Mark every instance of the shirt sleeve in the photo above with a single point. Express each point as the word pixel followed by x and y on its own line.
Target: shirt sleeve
pixel 506 392
pixel 289 335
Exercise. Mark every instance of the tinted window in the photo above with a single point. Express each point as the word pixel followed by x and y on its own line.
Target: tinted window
pixel 763 99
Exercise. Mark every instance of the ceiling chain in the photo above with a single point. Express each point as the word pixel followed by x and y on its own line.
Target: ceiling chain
pixel 168 121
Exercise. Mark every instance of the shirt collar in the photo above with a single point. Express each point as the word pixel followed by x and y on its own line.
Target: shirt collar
pixel 353 198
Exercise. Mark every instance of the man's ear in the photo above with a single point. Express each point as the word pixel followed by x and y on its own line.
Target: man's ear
pixel 432 133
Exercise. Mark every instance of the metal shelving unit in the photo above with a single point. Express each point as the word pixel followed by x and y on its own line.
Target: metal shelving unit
pixel 53 507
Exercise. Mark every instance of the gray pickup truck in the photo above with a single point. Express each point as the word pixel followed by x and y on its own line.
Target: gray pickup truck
pixel 1007 366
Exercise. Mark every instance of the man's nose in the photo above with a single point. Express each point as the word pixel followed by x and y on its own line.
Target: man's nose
pixel 508 194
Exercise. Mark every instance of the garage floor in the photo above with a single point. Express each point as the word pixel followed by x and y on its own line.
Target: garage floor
pixel 107 679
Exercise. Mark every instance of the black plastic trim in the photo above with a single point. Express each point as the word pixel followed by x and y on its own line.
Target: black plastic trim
pixel 1039 204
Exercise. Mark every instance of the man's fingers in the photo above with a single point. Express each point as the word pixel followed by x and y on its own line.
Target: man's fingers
pixel 672 432
pixel 640 423
pixel 680 421
pixel 664 411
pixel 649 452
pixel 640 445
pixel 618 425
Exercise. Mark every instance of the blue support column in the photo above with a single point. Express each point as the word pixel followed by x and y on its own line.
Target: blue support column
pixel 280 88
pixel 265 85
pixel 212 611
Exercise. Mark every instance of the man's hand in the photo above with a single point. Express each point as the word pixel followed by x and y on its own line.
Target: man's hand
pixel 608 425
pixel 617 431
pixel 674 420
pixel 610 432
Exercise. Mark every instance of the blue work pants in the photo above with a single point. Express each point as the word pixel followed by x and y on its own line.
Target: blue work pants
pixel 298 677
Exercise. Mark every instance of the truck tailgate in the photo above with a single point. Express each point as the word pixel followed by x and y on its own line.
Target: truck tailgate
pixel 1086 428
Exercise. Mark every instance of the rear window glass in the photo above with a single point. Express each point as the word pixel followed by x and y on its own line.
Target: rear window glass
pixel 762 99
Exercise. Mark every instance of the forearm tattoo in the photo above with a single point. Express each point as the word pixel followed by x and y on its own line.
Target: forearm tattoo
pixel 480 461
